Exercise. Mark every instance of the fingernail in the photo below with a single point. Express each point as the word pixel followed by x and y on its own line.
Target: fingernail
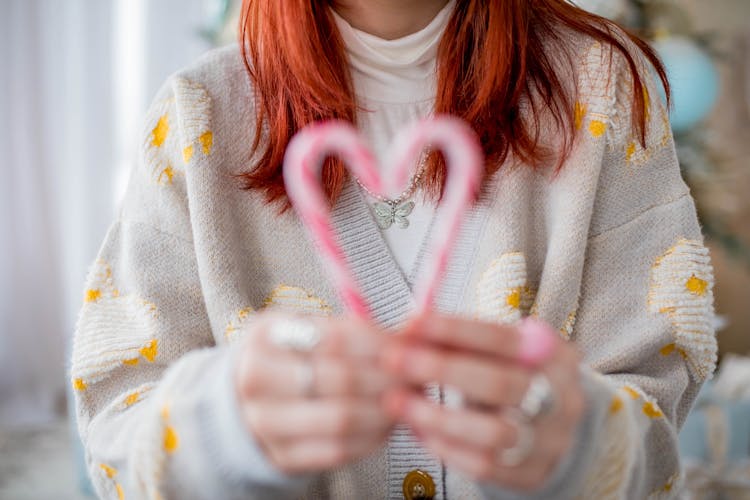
pixel 537 341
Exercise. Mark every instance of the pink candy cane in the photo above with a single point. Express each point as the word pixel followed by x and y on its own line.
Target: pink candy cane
pixel 312 145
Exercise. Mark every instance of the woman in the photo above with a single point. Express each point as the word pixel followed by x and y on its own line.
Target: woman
pixel 212 358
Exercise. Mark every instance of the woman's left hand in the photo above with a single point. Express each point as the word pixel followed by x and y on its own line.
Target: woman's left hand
pixel 492 366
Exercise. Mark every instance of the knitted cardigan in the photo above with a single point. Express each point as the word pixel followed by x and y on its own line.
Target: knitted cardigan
pixel 608 251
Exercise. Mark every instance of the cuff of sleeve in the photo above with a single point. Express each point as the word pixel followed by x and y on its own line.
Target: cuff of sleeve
pixel 570 472
pixel 242 461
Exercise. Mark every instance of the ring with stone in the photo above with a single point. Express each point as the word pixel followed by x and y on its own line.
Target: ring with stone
pixel 538 399
pixel 515 455
pixel 294 334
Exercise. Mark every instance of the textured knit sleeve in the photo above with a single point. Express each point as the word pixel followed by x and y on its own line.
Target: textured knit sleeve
pixel 155 402
pixel 644 319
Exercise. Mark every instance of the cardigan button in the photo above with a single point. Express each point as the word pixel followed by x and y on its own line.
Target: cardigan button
pixel 418 485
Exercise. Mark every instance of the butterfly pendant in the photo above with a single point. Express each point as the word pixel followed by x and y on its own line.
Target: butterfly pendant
pixel 389 213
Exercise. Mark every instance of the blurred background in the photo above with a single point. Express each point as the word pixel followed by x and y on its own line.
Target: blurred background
pixel 76 79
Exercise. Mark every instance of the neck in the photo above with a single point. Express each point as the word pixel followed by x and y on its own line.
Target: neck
pixel 389 19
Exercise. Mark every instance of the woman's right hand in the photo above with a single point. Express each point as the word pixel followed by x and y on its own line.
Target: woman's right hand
pixel 312 411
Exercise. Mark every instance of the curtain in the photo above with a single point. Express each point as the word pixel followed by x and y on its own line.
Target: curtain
pixel 76 79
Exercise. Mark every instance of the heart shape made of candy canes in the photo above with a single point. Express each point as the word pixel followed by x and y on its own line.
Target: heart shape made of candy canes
pixel 304 160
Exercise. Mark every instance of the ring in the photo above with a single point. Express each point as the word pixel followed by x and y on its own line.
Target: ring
pixel 538 399
pixel 511 457
pixel 294 334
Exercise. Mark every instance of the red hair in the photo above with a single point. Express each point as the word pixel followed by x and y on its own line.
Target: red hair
pixel 493 55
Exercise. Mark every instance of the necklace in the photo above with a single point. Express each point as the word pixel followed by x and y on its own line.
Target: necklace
pixel 395 211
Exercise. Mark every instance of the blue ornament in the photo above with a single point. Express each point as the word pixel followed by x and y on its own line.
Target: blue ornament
pixel 694 80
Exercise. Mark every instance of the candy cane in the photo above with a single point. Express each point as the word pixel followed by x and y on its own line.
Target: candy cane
pixel 304 160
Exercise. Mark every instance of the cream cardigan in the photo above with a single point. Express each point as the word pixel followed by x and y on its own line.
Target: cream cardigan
pixel 609 252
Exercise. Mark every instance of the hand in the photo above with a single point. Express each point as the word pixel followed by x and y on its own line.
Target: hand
pixel 315 410
pixel 491 366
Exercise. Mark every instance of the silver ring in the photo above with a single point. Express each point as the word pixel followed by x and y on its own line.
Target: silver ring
pixel 295 334
pixel 515 455
pixel 538 399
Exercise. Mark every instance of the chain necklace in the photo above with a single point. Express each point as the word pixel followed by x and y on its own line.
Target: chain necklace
pixel 395 211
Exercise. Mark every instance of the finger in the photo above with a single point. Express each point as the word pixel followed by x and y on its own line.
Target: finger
pixel 349 378
pixel 285 375
pixel 480 378
pixel 564 375
pixel 569 397
pixel 351 337
pixel 473 462
pixel 482 465
pixel 276 421
pixel 317 454
pixel 471 427
pixel 456 332
pixel 278 375
pixel 531 342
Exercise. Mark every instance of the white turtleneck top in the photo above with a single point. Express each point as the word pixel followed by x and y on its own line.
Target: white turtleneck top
pixel 394 81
